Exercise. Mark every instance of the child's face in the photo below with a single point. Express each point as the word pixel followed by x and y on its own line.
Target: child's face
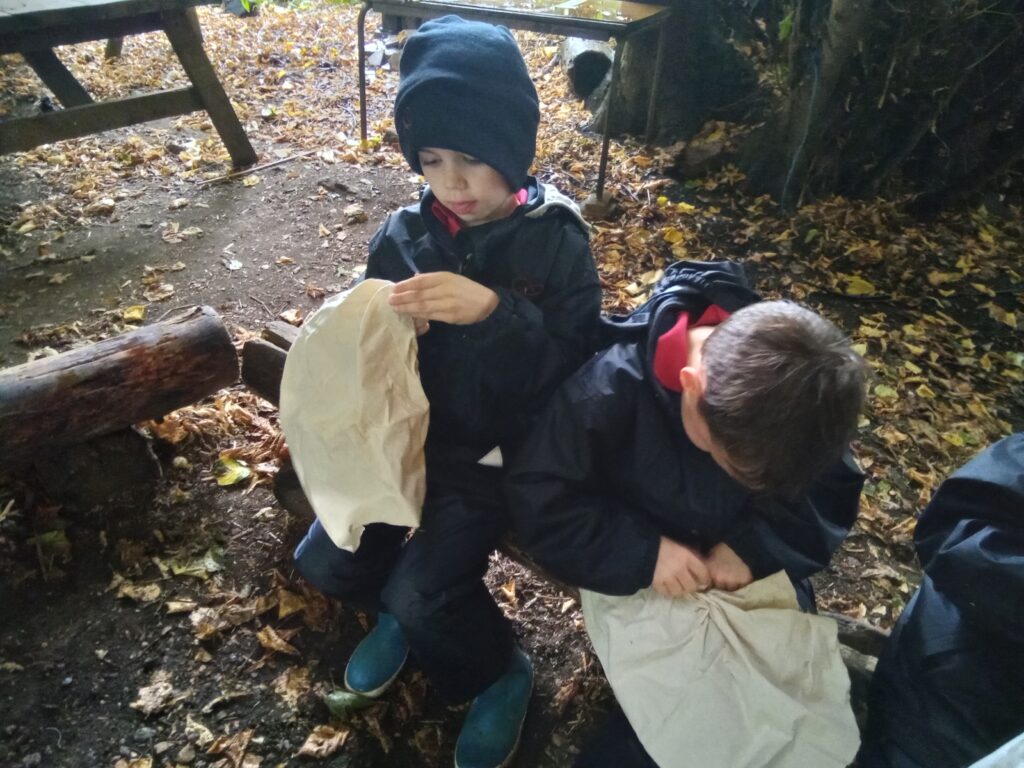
pixel 468 187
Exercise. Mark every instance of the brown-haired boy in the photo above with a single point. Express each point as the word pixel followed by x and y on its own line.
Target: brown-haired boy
pixel 706 449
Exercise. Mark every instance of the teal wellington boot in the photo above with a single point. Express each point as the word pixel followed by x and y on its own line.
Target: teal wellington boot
pixel 377 660
pixel 490 735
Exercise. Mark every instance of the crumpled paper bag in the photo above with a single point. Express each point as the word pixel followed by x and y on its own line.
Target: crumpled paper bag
pixel 727 679
pixel 354 414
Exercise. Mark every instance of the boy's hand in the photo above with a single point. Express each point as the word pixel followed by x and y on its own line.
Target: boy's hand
pixel 727 569
pixel 443 296
pixel 679 570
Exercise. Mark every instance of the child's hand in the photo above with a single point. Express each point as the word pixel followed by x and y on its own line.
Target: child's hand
pixel 727 569
pixel 679 570
pixel 443 296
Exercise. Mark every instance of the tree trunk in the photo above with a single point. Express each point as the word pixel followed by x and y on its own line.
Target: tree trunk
pixel 818 62
pixel 93 390
pixel 702 76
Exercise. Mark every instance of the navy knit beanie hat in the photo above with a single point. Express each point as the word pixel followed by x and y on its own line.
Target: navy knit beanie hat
pixel 464 87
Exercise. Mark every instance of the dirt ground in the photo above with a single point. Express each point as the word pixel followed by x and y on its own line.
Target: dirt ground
pixel 168 629
pixel 74 656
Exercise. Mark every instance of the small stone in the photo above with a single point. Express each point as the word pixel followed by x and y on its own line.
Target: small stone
pixel 186 755
pixel 355 214
pixel 143 735
pixel 162 746
pixel 36 758
pixel 67 681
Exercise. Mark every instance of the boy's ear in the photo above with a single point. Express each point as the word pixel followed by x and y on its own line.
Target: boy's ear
pixel 691 381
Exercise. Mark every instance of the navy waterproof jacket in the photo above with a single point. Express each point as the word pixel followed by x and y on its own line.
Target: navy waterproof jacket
pixel 608 469
pixel 949 688
pixel 484 380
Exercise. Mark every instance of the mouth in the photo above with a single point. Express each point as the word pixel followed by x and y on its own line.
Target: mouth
pixel 462 208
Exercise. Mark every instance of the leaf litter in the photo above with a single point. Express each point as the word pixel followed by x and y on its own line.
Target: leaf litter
pixel 934 306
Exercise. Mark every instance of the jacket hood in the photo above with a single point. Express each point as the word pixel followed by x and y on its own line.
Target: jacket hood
pixel 686 286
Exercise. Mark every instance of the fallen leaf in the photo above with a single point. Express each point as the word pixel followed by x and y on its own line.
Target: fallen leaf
pixel 134 314
pixel 324 741
pixel 273 642
pixel 292 684
pixel 231 471
pixel 343 703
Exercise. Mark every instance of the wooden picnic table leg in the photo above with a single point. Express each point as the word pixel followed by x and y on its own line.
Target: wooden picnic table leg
pixel 612 89
pixel 188 45
pixel 57 77
pixel 114 47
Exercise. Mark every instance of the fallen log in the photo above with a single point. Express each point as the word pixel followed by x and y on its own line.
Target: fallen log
pixel 142 374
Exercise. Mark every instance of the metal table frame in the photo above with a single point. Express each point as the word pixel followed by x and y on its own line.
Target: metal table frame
pixel 534 20
pixel 34 28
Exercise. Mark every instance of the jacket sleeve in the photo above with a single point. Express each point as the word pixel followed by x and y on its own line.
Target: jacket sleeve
pixel 384 260
pixel 800 536
pixel 529 346
pixel 970 538
pixel 561 514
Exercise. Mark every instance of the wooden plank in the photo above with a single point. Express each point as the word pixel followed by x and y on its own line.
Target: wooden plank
pixel 28 132
pixel 280 334
pixel 51 37
pixel 57 78
pixel 187 43
pixel 262 368
pixel 20 16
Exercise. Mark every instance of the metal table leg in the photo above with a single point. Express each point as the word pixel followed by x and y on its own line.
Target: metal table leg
pixel 612 90
pixel 361 43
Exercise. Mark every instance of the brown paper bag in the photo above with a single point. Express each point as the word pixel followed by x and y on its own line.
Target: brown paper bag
pixel 354 414
pixel 727 679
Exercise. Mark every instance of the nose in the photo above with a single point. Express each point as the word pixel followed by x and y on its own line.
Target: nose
pixel 453 177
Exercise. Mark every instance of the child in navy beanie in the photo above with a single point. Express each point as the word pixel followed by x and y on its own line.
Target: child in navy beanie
pixel 495 269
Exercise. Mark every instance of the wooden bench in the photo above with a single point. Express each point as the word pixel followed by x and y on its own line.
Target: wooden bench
pixel 34 28
pixel 262 366
pixel 593 20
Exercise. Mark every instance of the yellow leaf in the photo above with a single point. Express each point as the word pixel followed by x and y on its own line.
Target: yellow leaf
pixel 672 235
pixel 134 314
pixel 953 438
pixel 251 181
pixel 662 201
pixel 914 349
pixel 886 392
pixel 860 348
pixel 983 289
pixel 685 208
pixel 231 471
pixel 998 313
pixel 857 285
pixel 871 332
pixel 985 235
pixel 911 367
pixel 926 392
pixel 936 278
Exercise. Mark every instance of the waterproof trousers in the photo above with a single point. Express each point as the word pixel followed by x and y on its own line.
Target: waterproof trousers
pixel 431 581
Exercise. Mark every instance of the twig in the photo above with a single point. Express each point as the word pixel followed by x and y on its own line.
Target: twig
pixel 247 171
pixel 172 310
pixel 265 307
pixel 40 262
